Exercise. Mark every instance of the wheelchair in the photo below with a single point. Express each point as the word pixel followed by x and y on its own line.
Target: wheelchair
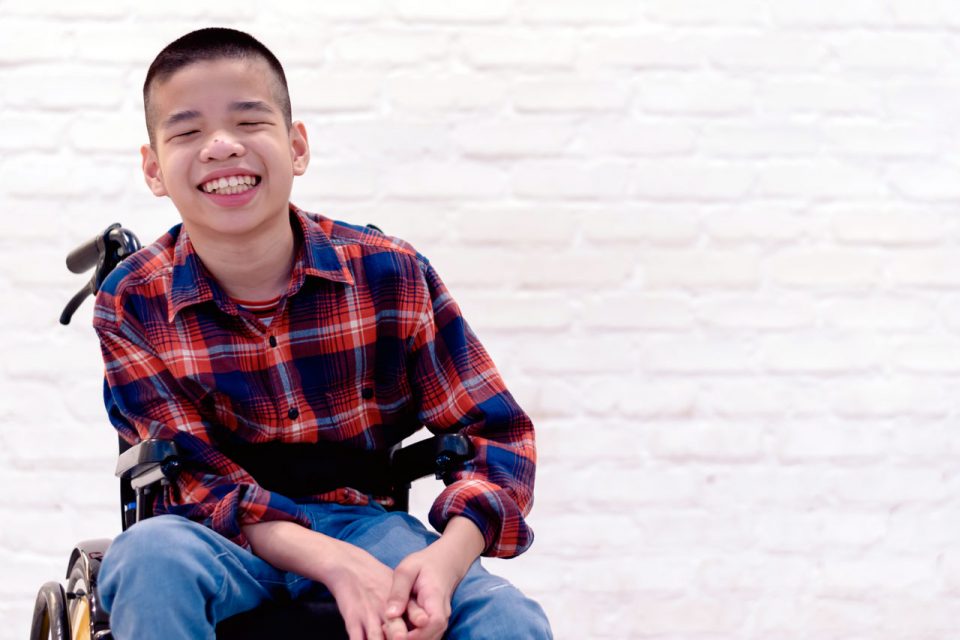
pixel 71 611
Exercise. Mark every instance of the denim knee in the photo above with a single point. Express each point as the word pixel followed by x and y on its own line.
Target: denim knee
pixel 155 553
pixel 499 611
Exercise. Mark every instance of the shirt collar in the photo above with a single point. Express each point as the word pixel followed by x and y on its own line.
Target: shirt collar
pixel 316 256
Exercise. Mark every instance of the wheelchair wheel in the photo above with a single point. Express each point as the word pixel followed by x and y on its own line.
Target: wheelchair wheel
pixel 78 609
pixel 50 614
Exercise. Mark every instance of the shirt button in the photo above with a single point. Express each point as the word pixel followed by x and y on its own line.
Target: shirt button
pixel 293 413
pixel 366 393
pixel 273 341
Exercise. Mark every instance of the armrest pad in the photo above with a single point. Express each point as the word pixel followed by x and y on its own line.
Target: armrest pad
pixel 146 456
pixel 438 455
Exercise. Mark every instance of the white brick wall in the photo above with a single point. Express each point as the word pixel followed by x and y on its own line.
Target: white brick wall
pixel 713 247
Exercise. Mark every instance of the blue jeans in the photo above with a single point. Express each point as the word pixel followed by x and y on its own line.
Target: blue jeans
pixel 202 578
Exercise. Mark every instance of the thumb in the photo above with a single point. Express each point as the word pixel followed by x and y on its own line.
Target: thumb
pixel 403 579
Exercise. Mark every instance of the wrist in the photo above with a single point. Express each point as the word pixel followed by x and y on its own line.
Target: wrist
pixel 461 541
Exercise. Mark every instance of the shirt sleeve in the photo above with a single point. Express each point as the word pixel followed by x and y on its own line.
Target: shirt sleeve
pixel 460 389
pixel 144 400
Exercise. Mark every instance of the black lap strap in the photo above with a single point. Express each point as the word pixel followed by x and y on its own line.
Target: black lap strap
pixel 303 469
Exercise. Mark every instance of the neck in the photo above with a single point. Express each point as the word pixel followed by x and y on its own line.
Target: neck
pixel 249 268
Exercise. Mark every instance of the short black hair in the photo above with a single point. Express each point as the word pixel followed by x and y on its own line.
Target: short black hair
pixel 213 43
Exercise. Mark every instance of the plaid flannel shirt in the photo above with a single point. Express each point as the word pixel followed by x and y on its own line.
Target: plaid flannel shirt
pixel 366 341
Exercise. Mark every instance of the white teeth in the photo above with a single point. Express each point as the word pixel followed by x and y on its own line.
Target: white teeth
pixel 229 186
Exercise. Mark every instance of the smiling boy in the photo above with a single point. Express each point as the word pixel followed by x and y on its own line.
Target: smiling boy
pixel 254 321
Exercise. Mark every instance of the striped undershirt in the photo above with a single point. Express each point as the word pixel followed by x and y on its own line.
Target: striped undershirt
pixel 263 309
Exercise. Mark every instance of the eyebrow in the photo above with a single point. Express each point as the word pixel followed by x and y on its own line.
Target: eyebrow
pixel 239 106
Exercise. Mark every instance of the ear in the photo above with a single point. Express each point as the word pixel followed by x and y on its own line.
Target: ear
pixel 151 170
pixel 299 148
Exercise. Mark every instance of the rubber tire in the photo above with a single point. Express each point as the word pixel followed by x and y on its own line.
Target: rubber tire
pixel 50 614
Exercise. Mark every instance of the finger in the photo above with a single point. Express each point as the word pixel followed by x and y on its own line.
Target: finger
pixel 416 614
pixel 427 633
pixel 400 589
pixel 395 629
pixel 354 629
pixel 437 611
pixel 373 627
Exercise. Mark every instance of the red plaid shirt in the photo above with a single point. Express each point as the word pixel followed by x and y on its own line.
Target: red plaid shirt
pixel 365 339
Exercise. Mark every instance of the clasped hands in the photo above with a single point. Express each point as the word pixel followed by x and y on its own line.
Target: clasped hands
pixel 411 602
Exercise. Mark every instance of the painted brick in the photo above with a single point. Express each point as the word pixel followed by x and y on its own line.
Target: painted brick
pixel 33 41
pixel 755 223
pixel 566 180
pixel 522 226
pixel 664 225
pixel 692 181
pixel 517 51
pixel 821 440
pixel 761 141
pixel 923 268
pixel 825 268
pixel 769 397
pixel 569 95
pixel 884 314
pixel 638 310
pixel 776 53
pixel 699 269
pixel 436 180
pixel 820 355
pixel 331 93
pixel 66 87
pixel 925 182
pixel 829 14
pixel 388 48
pixel 460 92
pixel 456 11
pixel 817 97
pixel 688 13
pixel 703 441
pixel 34 132
pixel 605 12
pixel 691 94
pixel 605 136
pixel 648 51
pixel 929 355
pixel 891 227
pixel 374 138
pixel 823 180
pixel 750 313
pixel 499 139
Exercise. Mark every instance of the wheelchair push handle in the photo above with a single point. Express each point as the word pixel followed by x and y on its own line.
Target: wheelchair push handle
pixel 85 256
pixel 102 253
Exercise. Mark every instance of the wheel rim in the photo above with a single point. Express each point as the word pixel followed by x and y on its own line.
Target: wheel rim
pixel 78 609
pixel 80 619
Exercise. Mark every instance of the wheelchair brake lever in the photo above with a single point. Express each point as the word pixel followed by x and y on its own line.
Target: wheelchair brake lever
pixel 75 303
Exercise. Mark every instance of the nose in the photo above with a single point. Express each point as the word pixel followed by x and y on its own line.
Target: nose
pixel 221 146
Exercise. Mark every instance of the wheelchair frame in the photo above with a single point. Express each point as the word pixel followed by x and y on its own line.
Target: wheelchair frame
pixel 74 612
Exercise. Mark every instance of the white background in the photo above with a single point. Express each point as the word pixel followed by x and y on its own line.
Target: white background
pixel 711 245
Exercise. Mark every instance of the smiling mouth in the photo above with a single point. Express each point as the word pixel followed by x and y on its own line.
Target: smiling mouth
pixel 230 186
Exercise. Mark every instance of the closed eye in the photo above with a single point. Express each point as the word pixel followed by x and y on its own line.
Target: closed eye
pixel 186 134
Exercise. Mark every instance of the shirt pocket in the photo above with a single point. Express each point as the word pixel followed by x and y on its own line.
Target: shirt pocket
pixel 372 413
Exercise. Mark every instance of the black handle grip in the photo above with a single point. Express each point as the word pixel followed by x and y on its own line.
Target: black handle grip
pixel 84 257
pixel 75 303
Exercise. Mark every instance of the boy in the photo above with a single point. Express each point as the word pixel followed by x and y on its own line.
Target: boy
pixel 254 322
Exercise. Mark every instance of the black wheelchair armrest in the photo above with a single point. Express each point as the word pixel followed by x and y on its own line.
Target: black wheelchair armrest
pixel 148 461
pixel 439 455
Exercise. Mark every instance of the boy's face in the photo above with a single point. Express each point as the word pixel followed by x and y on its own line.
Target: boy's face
pixel 218 120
